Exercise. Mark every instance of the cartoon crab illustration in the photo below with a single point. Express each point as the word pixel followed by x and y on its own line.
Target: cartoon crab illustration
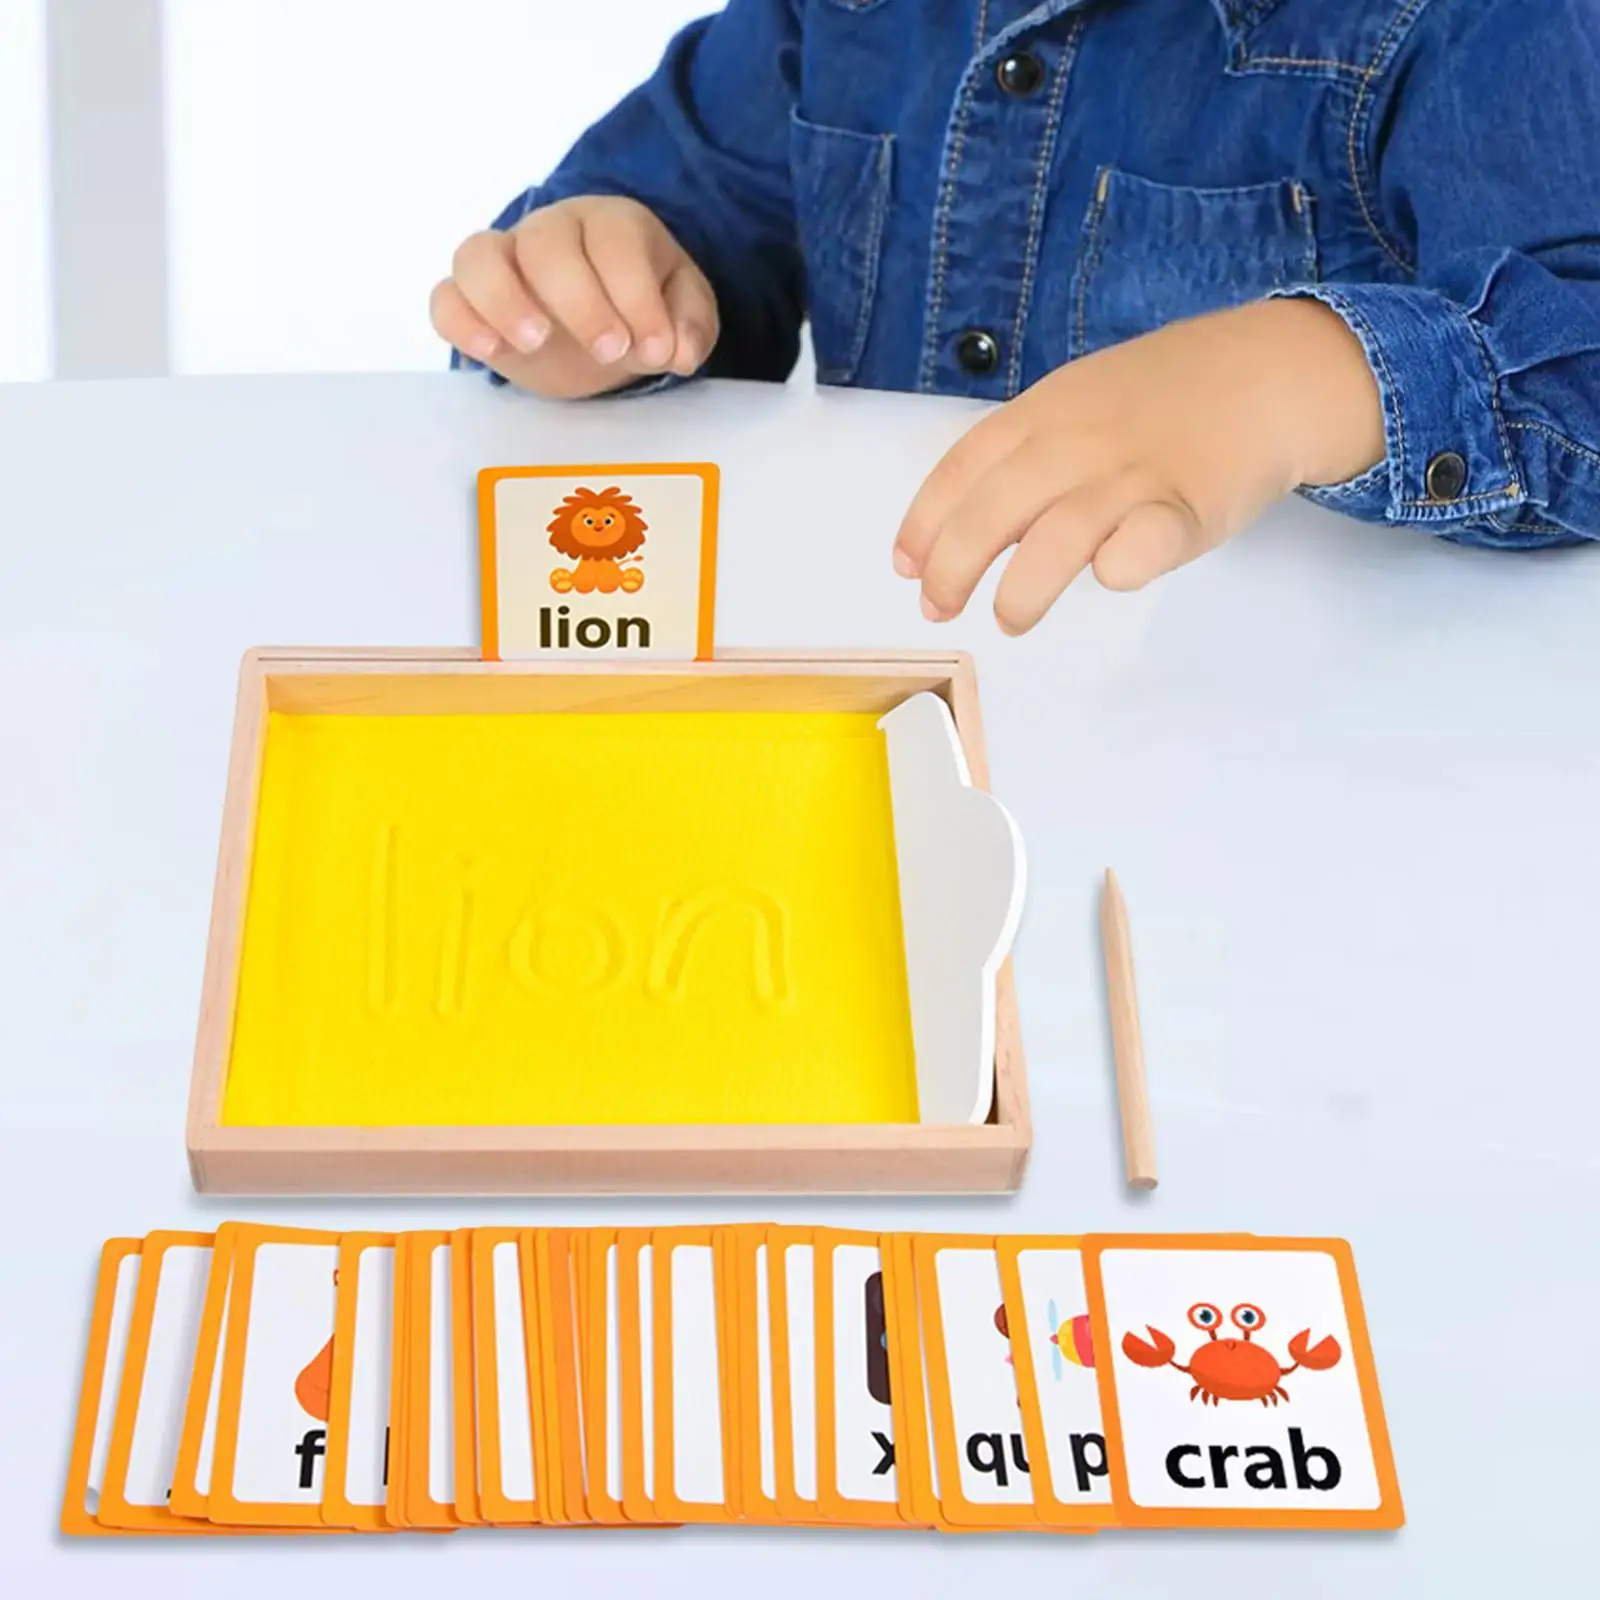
pixel 1232 1369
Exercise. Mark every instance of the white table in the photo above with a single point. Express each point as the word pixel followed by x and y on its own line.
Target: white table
pixel 1347 776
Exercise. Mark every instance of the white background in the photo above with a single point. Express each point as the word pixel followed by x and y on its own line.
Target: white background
pixel 324 158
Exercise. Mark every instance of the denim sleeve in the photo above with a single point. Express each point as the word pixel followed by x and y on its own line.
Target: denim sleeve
pixel 1484 187
pixel 704 143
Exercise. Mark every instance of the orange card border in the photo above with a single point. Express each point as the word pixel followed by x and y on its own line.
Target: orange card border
pixel 221 1504
pixel 664 1241
pixel 337 1511
pixel 497 1508
pixel 421 1509
pixel 592 1312
pixel 116 1511
pixel 76 1518
pixel 463 1380
pixel 631 1242
pixel 710 476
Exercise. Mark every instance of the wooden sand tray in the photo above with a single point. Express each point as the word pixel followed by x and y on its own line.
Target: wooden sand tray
pixel 385 1009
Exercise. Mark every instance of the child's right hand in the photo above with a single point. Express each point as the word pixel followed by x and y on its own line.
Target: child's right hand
pixel 581 296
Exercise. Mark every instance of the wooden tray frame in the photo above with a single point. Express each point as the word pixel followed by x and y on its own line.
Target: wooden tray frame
pixel 689 1159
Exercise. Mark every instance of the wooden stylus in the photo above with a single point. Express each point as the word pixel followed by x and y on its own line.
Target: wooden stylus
pixel 1138 1140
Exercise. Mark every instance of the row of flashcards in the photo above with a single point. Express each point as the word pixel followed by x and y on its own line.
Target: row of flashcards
pixel 266 1379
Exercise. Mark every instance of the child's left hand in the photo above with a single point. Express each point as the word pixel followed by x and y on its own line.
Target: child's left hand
pixel 1143 456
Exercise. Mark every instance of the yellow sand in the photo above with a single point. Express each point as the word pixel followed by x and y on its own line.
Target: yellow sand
pixel 573 919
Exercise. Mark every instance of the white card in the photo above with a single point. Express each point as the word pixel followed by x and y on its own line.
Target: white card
pixel 208 1433
pixel 800 1293
pixel 168 1366
pixel 598 563
pixel 863 1422
pixel 111 1380
pixel 991 1453
pixel 647 1364
pixel 696 1379
pixel 764 1433
pixel 367 1463
pixel 1055 1307
pixel 931 1454
pixel 511 1375
pixel 1268 1415
pixel 441 1390
pixel 281 1444
pixel 613 1382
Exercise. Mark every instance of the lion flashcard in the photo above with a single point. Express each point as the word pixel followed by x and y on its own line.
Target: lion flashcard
pixel 598 563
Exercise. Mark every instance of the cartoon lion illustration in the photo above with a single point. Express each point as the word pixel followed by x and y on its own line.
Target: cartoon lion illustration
pixel 600 532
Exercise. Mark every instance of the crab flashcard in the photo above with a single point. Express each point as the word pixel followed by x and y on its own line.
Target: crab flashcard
pixel 590 563
pixel 1047 1311
pixel 1237 1383
pixel 276 1378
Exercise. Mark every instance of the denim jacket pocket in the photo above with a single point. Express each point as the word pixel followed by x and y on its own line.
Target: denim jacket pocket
pixel 1153 253
pixel 842 186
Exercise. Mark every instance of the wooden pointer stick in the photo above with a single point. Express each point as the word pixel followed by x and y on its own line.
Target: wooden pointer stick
pixel 1138 1139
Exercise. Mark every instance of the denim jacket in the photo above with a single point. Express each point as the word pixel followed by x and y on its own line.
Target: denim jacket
pixel 961 195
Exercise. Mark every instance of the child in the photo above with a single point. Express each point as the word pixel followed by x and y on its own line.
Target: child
pixel 1208 252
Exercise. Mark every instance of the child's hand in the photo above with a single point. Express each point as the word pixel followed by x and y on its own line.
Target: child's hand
pixel 581 296
pixel 1140 457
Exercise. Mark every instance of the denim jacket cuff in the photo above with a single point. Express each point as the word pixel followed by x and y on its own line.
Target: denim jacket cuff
pixel 1449 456
pixel 650 383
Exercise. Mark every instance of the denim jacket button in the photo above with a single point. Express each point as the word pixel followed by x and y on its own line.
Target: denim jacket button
pixel 977 352
pixel 1446 476
pixel 1020 74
